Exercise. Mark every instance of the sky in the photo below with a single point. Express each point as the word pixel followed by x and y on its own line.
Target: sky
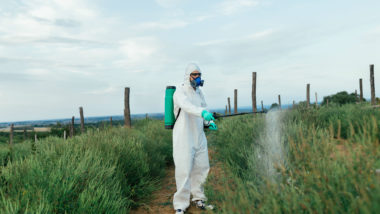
pixel 58 55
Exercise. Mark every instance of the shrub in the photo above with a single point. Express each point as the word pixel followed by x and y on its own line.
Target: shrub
pixel 106 171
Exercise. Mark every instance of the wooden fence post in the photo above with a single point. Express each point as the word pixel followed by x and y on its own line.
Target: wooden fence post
pixel 81 119
pixel 279 101
pixel 35 138
pixel 25 134
pixel 372 80
pixel 229 105
pixel 254 106
pixel 11 135
pixel 316 100
pixel 127 112
pixel 361 89
pixel 64 134
pixel 235 101
pixel 111 122
pixel 356 96
pixel 72 127
pixel 327 102
pixel 308 95
pixel 225 112
pixel 262 106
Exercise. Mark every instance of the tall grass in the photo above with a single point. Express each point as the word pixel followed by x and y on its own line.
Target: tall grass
pixel 106 171
pixel 330 156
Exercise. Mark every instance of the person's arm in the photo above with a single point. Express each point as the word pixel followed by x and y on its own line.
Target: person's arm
pixel 183 102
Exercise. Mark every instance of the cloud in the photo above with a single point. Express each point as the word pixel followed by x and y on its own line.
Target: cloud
pixel 37 72
pixel 140 49
pixel 13 77
pixel 161 25
pixel 169 3
pixel 229 7
pixel 204 17
pixel 255 36
pixel 108 90
pixel 35 19
pixel 261 34
pixel 67 22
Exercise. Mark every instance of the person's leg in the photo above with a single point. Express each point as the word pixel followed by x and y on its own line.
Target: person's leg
pixel 183 162
pixel 199 174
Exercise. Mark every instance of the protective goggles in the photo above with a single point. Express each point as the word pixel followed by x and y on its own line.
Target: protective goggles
pixel 196 74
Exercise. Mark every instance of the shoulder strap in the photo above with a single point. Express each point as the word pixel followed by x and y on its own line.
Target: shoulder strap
pixel 179 111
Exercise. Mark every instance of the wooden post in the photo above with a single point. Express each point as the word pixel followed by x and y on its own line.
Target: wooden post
pixel 64 135
pixel 235 101
pixel 254 106
pixel 229 105
pixel 111 122
pixel 11 135
pixel 25 134
pixel 308 95
pixel 225 112
pixel 72 127
pixel 327 102
pixel 127 112
pixel 316 100
pixel 35 138
pixel 279 101
pixel 356 96
pixel 81 119
pixel 361 89
pixel 372 81
pixel 262 106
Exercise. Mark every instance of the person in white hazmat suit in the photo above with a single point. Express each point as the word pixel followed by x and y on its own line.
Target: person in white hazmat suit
pixel 189 141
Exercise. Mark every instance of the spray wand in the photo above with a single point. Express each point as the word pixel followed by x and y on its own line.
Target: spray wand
pixel 217 115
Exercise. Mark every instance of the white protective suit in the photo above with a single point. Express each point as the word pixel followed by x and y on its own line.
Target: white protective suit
pixel 189 143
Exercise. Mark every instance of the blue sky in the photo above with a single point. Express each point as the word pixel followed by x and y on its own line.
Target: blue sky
pixel 61 54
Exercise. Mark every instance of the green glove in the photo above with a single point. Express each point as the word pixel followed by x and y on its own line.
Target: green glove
pixel 213 127
pixel 207 115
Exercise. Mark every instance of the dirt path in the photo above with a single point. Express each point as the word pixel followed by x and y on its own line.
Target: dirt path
pixel 162 202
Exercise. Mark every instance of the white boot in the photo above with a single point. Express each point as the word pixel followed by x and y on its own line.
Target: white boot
pixel 202 205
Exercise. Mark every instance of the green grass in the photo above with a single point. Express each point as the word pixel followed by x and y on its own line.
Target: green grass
pixel 325 162
pixel 108 171
pixel 329 160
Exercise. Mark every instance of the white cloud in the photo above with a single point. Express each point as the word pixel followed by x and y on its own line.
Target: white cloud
pixel 255 36
pixel 229 7
pixel 84 73
pixel 37 72
pixel 204 17
pixel 164 25
pixel 42 19
pixel 213 42
pixel 261 34
pixel 108 90
pixel 169 3
pixel 139 50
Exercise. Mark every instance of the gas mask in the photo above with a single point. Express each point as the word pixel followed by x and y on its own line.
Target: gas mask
pixel 196 82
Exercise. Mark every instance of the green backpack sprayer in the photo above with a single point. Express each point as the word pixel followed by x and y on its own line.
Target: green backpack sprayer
pixel 169 108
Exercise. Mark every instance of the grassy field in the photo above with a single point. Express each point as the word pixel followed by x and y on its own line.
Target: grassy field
pixel 292 161
pixel 106 171
pixel 300 161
